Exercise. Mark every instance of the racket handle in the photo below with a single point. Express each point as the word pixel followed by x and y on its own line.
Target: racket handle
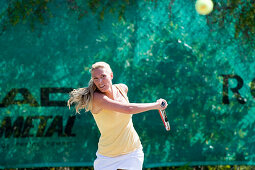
pixel 163 104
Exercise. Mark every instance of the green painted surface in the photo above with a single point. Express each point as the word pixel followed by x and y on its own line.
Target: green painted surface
pixel 159 49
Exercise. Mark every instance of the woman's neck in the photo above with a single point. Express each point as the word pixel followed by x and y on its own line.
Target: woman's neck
pixel 111 93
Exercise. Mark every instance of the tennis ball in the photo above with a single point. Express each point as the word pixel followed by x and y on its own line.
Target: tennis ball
pixel 204 7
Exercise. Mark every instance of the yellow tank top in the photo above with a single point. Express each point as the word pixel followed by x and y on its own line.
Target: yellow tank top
pixel 118 135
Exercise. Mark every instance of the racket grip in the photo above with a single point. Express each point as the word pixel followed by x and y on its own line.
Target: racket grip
pixel 163 104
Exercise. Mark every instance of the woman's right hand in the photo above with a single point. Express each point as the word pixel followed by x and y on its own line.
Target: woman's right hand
pixel 161 106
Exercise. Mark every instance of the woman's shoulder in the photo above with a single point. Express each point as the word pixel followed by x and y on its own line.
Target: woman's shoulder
pixel 97 98
pixel 97 95
pixel 124 87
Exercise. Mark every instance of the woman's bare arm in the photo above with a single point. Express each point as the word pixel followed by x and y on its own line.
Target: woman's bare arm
pixel 105 102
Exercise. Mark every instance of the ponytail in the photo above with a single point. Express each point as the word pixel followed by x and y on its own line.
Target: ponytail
pixel 82 97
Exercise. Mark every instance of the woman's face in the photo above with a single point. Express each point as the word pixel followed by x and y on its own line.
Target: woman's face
pixel 102 78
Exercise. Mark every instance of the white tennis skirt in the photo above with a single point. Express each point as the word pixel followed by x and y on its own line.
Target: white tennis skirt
pixel 130 161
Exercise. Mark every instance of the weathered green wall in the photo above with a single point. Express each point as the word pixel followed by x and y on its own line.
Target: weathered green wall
pixel 159 49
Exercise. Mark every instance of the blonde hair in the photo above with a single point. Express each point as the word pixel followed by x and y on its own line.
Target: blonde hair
pixel 83 97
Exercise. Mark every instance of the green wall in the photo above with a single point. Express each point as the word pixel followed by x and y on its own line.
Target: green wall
pixel 202 65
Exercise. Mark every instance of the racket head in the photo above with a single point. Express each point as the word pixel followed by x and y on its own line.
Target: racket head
pixel 164 119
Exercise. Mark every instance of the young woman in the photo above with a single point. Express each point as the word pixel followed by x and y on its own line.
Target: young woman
pixel 119 145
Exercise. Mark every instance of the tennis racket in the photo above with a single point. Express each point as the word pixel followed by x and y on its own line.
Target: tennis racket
pixel 164 117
